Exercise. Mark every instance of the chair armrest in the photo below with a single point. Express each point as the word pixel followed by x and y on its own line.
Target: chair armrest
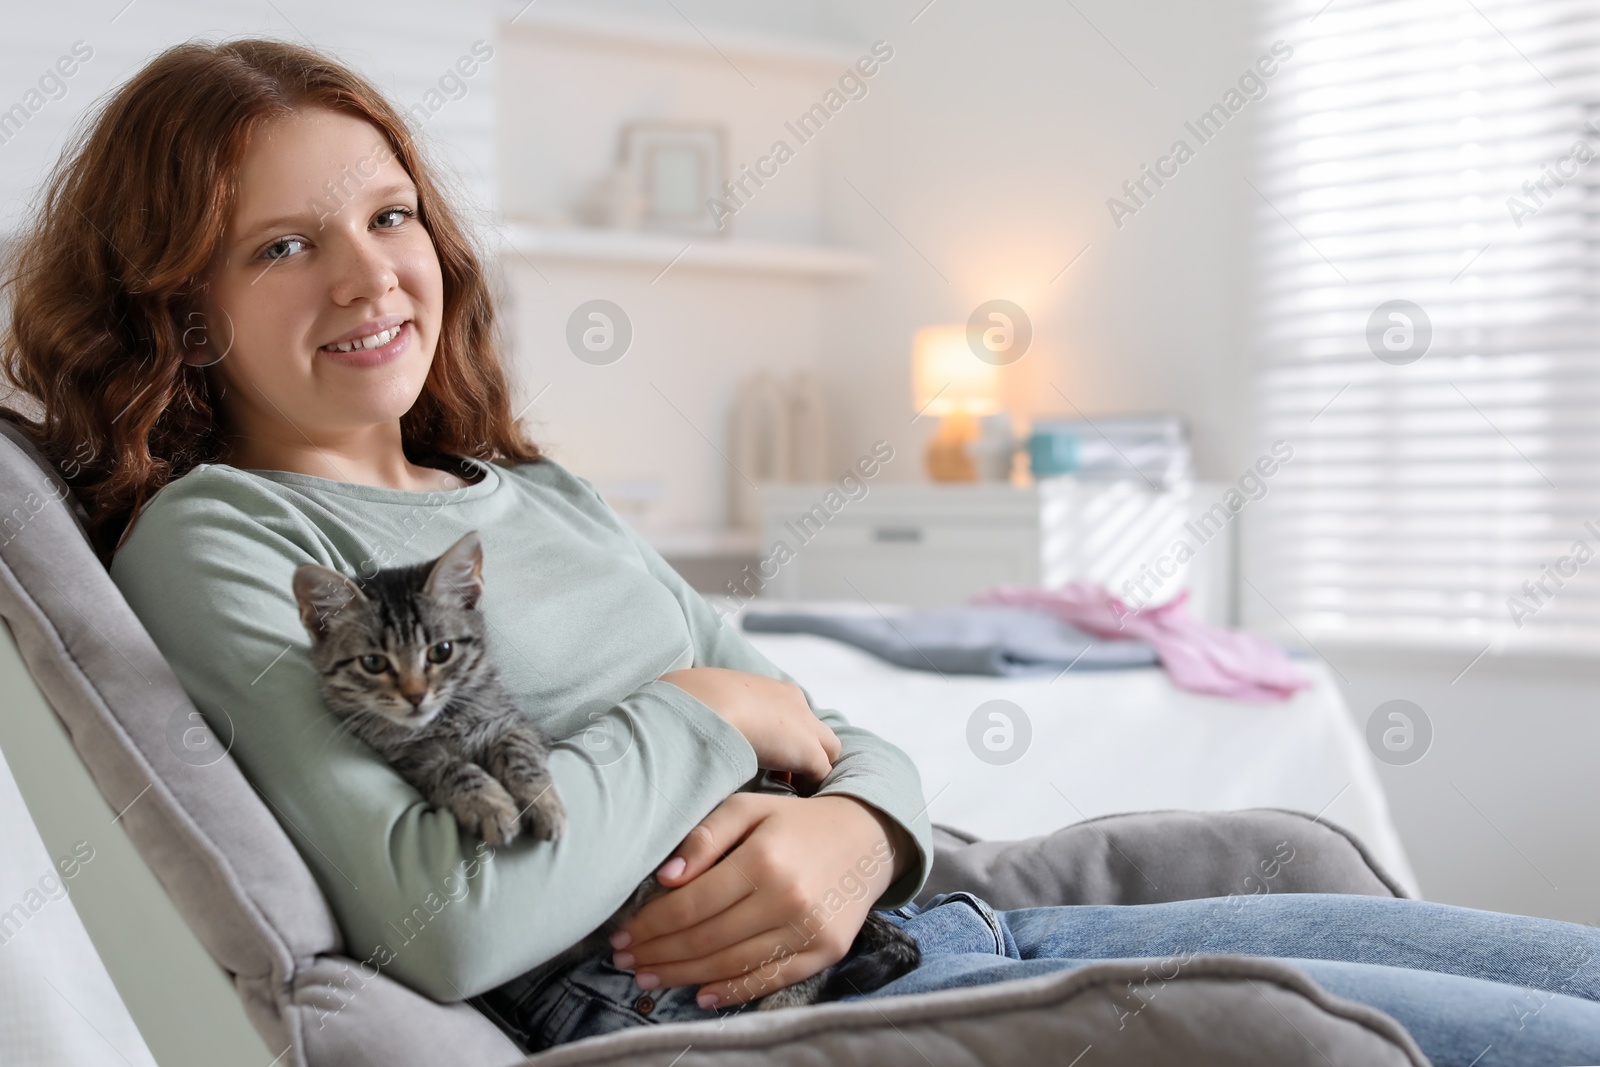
pixel 1157 856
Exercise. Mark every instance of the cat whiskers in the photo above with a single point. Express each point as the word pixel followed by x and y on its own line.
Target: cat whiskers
pixel 466 701
pixel 346 724
pixel 319 721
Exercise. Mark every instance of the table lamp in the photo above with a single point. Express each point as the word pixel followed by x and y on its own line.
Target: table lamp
pixel 948 380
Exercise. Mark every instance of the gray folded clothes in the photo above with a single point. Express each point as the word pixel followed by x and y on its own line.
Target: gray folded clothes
pixel 965 640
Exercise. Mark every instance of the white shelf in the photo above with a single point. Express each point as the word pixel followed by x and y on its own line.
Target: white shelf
pixel 717 44
pixel 692 252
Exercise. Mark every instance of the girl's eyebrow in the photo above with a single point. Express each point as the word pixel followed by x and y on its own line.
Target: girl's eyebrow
pixel 327 206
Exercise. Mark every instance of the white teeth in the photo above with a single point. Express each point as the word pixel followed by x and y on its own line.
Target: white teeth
pixel 375 340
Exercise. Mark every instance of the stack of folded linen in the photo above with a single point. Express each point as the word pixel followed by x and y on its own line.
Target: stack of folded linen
pixel 965 640
pixel 1153 449
pixel 1016 630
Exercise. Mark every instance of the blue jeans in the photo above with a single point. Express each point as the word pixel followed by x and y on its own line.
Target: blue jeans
pixel 1472 987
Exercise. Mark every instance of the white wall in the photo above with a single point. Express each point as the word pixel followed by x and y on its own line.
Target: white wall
pixel 405 48
pixel 1011 124
pixel 1499 813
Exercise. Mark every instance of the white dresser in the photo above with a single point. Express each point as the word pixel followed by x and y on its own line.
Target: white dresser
pixel 930 544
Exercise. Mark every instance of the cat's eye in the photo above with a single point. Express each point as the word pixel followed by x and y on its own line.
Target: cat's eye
pixel 373 663
pixel 441 652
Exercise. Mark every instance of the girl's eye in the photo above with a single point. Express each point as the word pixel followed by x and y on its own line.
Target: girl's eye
pixel 441 652
pixel 397 214
pixel 282 248
pixel 373 663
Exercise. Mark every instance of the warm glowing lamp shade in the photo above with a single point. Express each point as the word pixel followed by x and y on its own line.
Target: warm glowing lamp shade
pixel 949 380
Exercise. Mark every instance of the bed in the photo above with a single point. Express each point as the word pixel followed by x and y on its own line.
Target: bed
pixel 1102 742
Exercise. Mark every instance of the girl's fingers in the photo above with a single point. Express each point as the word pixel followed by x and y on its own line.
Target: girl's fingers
pixel 717 834
pixel 752 968
pixel 685 908
pixel 739 922
pixel 818 765
pixel 770 977
pixel 821 755
pixel 830 742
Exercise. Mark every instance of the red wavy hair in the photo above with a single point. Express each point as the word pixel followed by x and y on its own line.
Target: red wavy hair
pixel 129 221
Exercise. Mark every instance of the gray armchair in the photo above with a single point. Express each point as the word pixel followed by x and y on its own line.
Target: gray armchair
pixel 91 705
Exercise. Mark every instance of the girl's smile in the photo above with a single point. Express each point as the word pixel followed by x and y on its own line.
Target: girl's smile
pixel 372 344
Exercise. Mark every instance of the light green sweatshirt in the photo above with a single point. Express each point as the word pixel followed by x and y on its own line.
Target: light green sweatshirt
pixel 583 617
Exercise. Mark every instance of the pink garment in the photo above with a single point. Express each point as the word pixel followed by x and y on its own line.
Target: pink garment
pixel 1198 656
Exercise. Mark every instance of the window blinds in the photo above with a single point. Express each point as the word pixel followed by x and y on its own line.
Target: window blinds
pixel 1426 195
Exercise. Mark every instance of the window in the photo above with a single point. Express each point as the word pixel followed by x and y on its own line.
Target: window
pixel 1426 196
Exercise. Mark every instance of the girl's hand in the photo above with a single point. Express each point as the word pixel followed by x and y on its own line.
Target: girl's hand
pixel 771 714
pixel 784 904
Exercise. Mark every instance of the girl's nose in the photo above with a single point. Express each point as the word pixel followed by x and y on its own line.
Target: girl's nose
pixel 364 272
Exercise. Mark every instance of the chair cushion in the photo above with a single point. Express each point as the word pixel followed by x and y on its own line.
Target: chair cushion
pixel 1150 857
pixel 1218 1009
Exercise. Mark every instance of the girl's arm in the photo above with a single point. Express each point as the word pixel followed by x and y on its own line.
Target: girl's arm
pixel 869 769
pixel 773 715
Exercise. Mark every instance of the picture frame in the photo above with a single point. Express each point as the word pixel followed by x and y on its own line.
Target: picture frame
pixel 677 168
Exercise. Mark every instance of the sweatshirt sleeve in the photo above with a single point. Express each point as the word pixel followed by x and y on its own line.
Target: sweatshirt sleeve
pixel 432 906
pixel 869 768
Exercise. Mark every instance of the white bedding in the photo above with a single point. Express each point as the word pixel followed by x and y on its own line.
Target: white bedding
pixel 1105 742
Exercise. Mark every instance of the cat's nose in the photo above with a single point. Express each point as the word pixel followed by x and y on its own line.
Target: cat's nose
pixel 416 698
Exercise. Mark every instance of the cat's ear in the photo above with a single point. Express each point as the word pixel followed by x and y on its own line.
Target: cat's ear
pixel 458 572
pixel 322 594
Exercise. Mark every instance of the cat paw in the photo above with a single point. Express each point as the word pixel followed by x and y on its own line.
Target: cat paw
pixel 544 815
pixel 490 813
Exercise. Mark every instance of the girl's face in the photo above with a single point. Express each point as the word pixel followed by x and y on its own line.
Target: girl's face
pixel 323 310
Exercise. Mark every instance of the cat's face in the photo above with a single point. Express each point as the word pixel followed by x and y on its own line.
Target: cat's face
pixel 402 644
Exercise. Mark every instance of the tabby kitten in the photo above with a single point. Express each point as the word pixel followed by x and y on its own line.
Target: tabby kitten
pixel 403 660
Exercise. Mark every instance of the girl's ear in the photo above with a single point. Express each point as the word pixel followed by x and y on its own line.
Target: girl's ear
pixel 322 593
pixel 458 572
